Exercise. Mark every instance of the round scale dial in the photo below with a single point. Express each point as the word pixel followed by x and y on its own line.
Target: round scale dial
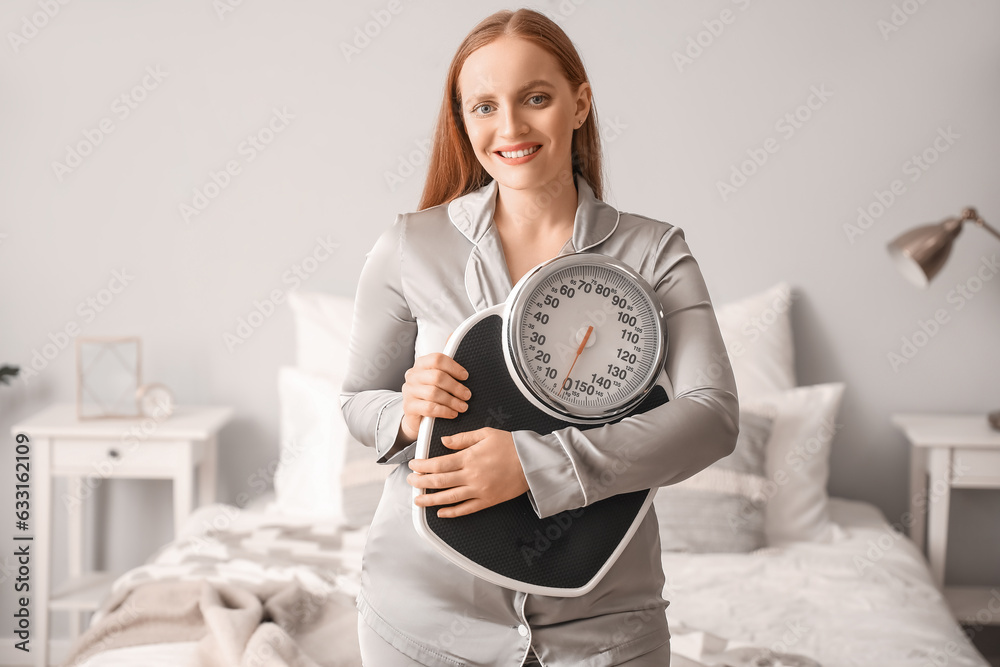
pixel 584 336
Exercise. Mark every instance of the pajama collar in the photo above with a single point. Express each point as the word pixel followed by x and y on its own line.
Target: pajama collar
pixel 487 280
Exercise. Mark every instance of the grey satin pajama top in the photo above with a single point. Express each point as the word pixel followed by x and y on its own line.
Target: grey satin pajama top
pixel 425 274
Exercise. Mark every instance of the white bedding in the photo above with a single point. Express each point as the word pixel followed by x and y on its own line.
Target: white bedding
pixel 865 599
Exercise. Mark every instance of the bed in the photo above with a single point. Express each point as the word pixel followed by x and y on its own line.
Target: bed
pixel 762 567
pixel 804 598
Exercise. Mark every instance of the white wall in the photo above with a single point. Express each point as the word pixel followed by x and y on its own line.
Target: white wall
pixel 679 131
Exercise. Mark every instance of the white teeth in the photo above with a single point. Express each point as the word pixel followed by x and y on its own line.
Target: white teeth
pixel 510 154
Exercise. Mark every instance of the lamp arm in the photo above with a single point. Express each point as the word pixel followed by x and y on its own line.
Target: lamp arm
pixel 972 215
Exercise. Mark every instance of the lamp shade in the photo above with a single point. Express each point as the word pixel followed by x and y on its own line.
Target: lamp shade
pixel 921 252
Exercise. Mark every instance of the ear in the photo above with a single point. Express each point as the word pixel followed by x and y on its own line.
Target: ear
pixel 583 100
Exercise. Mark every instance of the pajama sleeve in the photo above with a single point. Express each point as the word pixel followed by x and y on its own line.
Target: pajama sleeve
pixel 381 350
pixel 570 468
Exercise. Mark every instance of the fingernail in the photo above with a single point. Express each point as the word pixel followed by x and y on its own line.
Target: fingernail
pixel 464 406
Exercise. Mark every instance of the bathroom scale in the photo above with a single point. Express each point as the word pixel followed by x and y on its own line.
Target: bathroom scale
pixel 580 341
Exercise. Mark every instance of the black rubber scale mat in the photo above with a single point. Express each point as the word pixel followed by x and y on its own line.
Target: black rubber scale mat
pixel 565 550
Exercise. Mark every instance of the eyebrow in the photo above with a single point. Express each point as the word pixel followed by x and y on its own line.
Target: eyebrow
pixel 534 83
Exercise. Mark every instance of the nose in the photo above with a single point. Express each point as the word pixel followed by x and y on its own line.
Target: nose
pixel 512 123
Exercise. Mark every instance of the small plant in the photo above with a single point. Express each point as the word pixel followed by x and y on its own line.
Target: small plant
pixel 7 372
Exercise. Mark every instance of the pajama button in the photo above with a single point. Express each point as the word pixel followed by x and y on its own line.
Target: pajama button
pixel 523 631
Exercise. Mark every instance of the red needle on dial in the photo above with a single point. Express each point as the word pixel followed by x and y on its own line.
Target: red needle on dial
pixel 583 344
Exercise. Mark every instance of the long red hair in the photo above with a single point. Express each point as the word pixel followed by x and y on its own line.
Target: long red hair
pixel 454 169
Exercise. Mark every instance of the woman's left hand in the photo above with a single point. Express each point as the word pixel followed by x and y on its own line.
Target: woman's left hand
pixel 485 471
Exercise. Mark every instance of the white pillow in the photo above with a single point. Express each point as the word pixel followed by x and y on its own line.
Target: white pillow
pixel 322 339
pixel 757 331
pixel 322 332
pixel 307 479
pixel 719 510
pixel 324 471
pixel 797 461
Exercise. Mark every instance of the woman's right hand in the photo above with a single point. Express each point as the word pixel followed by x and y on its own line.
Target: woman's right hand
pixel 432 389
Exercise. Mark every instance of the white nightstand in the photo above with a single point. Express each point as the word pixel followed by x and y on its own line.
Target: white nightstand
pixel 949 451
pixel 86 453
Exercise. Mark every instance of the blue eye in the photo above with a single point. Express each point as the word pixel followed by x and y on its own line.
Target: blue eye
pixel 486 108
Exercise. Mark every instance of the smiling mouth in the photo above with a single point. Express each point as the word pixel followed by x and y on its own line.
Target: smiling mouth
pixel 521 153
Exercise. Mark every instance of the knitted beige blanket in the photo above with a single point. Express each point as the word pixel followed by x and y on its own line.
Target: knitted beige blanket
pixel 279 625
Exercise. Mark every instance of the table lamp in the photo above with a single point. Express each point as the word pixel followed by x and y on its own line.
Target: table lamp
pixel 921 252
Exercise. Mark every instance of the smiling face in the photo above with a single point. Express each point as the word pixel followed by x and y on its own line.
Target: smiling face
pixel 520 112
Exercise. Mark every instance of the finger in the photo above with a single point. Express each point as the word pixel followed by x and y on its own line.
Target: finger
pixel 464 439
pixel 449 386
pixel 457 389
pixel 426 361
pixel 435 394
pixel 438 464
pixel 439 480
pixel 446 363
pixel 443 497
pixel 423 382
pixel 429 409
pixel 447 398
pixel 461 509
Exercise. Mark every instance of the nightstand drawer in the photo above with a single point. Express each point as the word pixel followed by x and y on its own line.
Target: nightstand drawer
pixel 975 467
pixel 109 458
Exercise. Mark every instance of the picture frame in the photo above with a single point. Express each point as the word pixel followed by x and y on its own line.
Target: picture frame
pixel 108 377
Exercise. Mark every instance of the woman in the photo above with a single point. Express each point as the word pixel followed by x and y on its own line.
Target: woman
pixel 514 180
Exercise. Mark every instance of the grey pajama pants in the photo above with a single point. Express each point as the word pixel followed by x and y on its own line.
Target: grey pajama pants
pixel 376 652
